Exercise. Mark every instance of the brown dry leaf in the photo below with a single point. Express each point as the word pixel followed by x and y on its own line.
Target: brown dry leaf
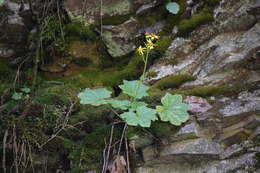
pixel 119 165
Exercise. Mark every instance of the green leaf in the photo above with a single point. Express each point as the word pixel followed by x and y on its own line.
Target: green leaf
pixel 173 7
pixel 134 88
pixel 143 116
pixel 173 109
pixel 136 104
pixel 94 97
pixel 26 90
pixel 121 104
pixel 17 96
pixel 169 100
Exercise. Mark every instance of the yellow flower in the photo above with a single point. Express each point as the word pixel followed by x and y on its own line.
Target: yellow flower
pixel 150 44
pixel 154 37
pixel 151 36
pixel 141 50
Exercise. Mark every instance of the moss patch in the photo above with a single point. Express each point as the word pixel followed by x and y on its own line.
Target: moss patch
pixel 6 76
pixel 212 3
pixel 207 91
pixel 81 31
pixel 152 18
pixel 162 129
pixel 91 77
pixel 172 81
pixel 152 74
pixel 87 155
pixel 115 20
pixel 188 25
pixel 161 46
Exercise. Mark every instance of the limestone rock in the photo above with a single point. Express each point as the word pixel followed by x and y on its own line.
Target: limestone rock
pixel 242 164
pixel 198 104
pixel 119 39
pixel 89 11
pixel 186 132
pixel 194 147
pixel 6 52
pixel 240 20
pixel 145 8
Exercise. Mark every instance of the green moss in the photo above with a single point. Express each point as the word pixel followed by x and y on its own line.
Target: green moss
pixel 6 76
pixel 134 130
pixel 129 72
pixel 257 156
pixel 4 11
pixel 94 115
pixel 152 74
pixel 207 91
pixel 83 62
pixel 4 69
pixel 115 20
pixel 81 31
pixel 56 95
pixel 161 46
pixel 88 154
pixel 188 25
pixel 212 3
pixel 162 129
pixel 172 81
pixel 91 77
pixel 51 99
pixel 158 14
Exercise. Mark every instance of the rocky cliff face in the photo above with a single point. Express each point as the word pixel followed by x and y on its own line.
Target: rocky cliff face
pixel 215 42
pixel 222 138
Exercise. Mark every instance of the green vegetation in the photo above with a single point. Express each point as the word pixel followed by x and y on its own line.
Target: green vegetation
pixel 207 91
pixel 88 154
pixel 152 74
pixel 161 46
pixel 188 25
pixel 115 20
pixel 90 77
pixel 152 18
pixel 80 31
pixel 6 76
pixel 137 113
pixel 162 129
pixel 173 7
pixel 212 3
pixel 172 81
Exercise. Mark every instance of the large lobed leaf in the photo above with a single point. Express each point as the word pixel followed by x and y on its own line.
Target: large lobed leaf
pixel 17 96
pixel 94 97
pixel 143 116
pixel 121 104
pixel 134 88
pixel 173 109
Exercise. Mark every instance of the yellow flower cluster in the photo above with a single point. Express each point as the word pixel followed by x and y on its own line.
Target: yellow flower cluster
pixel 149 45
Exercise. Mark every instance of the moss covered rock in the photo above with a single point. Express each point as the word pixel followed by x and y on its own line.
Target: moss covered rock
pixel 172 81
pixel 188 25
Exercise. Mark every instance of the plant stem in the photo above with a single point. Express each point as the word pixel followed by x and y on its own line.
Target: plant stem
pixel 145 63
